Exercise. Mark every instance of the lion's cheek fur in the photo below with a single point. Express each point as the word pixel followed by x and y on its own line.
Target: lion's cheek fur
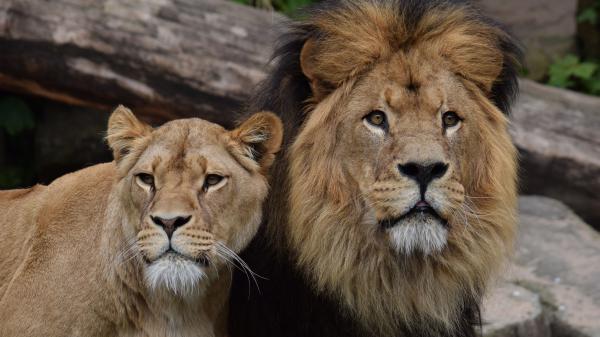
pixel 350 260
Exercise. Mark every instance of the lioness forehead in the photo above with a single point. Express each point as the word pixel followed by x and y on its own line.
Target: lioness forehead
pixel 192 143
pixel 191 132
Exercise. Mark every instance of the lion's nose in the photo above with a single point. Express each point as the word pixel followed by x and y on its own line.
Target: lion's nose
pixel 423 174
pixel 171 224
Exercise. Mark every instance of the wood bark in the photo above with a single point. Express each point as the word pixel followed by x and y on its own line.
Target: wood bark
pixel 163 58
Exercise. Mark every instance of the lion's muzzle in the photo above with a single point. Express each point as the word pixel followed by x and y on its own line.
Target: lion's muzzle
pixel 423 174
pixel 169 225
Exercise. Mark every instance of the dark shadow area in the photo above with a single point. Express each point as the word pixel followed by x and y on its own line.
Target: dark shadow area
pixel 41 140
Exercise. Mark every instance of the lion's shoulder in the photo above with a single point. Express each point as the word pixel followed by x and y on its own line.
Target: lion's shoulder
pixel 54 215
pixel 87 178
pixel 77 202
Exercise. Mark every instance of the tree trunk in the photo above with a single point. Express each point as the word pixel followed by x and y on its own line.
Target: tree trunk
pixel 163 58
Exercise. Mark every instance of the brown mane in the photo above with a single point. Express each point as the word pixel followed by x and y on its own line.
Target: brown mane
pixel 346 39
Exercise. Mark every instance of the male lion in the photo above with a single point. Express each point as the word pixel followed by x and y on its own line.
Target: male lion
pixel 139 246
pixel 395 201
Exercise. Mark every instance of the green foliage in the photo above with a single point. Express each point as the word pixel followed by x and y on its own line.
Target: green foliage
pixel 12 177
pixel 590 14
pixel 572 73
pixel 290 6
pixel 287 7
pixel 15 116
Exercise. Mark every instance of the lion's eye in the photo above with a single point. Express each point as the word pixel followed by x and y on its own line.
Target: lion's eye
pixel 212 180
pixel 146 179
pixel 377 118
pixel 450 119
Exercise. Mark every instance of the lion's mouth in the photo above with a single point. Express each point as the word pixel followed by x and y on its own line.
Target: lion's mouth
pixel 420 209
pixel 173 255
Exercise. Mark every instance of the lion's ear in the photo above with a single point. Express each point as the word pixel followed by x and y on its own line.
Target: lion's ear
pixel 123 130
pixel 310 68
pixel 474 52
pixel 258 139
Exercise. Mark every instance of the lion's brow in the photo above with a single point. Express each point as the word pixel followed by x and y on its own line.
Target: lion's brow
pixel 155 162
pixel 200 162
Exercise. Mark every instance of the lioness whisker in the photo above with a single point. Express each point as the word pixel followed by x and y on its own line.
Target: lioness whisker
pixel 130 250
pixel 226 252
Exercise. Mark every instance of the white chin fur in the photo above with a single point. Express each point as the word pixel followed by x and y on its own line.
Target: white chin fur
pixel 176 275
pixel 427 237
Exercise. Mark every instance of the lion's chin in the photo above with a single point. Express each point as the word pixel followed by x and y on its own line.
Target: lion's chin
pixel 175 274
pixel 423 233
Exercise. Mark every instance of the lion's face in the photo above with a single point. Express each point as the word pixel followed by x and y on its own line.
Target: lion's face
pixel 410 177
pixel 405 139
pixel 402 177
pixel 194 192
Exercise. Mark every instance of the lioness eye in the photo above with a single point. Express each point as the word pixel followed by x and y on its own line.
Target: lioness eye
pixel 211 180
pixel 377 118
pixel 146 179
pixel 450 119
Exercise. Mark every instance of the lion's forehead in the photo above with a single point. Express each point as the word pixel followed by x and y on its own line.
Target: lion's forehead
pixel 185 140
pixel 403 85
pixel 408 84
pixel 190 132
pixel 197 159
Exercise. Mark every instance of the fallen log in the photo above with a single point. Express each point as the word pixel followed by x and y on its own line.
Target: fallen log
pixel 164 58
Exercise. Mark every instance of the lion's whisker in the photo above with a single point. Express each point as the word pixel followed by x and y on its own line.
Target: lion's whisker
pixel 230 256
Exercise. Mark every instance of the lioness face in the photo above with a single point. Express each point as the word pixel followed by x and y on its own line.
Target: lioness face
pixel 196 190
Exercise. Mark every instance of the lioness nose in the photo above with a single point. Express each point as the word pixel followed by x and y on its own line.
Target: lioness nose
pixel 171 224
pixel 423 174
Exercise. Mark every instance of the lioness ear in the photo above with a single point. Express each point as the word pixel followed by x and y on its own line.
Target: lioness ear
pixel 123 130
pixel 258 139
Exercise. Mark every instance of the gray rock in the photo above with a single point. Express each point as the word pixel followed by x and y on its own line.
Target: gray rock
pixel 558 256
pixel 558 261
pixel 547 28
pixel 513 311
pixel 557 133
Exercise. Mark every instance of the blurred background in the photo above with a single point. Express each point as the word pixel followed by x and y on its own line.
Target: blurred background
pixel 65 64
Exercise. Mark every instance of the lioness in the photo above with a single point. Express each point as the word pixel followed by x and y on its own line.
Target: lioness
pixel 395 203
pixel 139 246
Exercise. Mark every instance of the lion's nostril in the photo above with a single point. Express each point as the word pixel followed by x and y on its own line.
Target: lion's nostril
pixel 171 224
pixel 423 174
pixel 438 170
pixel 410 170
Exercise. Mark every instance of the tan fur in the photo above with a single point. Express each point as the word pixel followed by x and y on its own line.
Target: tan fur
pixel 77 252
pixel 367 32
pixel 344 178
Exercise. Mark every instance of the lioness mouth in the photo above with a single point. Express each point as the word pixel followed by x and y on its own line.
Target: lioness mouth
pixel 173 254
pixel 421 208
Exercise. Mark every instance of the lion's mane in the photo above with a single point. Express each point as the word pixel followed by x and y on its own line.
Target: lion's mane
pixel 323 267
